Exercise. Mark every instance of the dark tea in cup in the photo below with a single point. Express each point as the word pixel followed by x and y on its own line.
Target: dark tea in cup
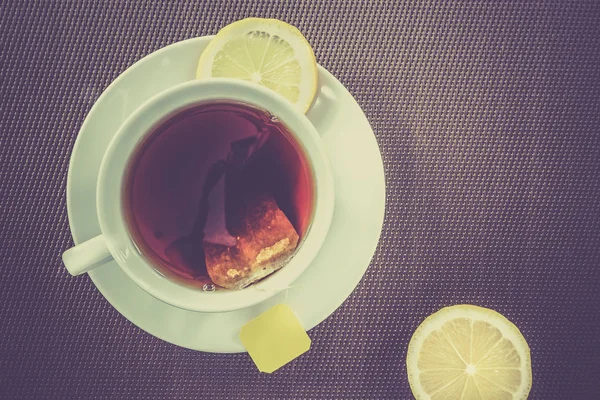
pixel 216 191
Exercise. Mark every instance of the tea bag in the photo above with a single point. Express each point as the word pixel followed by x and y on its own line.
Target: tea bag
pixel 266 239
pixel 254 238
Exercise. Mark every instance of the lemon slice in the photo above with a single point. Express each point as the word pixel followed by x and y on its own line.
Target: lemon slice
pixel 265 51
pixel 468 352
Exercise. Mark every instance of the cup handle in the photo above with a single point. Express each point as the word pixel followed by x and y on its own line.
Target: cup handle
pixel 86 256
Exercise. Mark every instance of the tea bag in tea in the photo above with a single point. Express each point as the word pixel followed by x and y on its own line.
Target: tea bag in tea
pixel 246 211
pixel 266 240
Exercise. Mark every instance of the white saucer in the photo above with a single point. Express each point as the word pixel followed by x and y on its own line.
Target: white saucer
pixel 341 263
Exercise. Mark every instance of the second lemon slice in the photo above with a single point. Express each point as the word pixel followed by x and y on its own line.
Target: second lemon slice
pixel 467 352
pixel 265 51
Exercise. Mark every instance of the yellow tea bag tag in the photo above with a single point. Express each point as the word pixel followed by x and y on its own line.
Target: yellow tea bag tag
pixel 274 338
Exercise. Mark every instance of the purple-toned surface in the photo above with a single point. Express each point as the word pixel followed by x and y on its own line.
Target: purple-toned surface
pixel 488 118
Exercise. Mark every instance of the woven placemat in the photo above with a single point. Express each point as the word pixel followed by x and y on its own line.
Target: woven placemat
pixel 487 115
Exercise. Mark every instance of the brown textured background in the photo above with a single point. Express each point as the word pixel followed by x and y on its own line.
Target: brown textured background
pixel 487 115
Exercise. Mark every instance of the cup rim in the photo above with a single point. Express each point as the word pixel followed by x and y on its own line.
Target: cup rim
pixel 112 176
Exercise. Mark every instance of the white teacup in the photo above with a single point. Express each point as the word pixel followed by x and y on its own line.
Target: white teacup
pixel 116 243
